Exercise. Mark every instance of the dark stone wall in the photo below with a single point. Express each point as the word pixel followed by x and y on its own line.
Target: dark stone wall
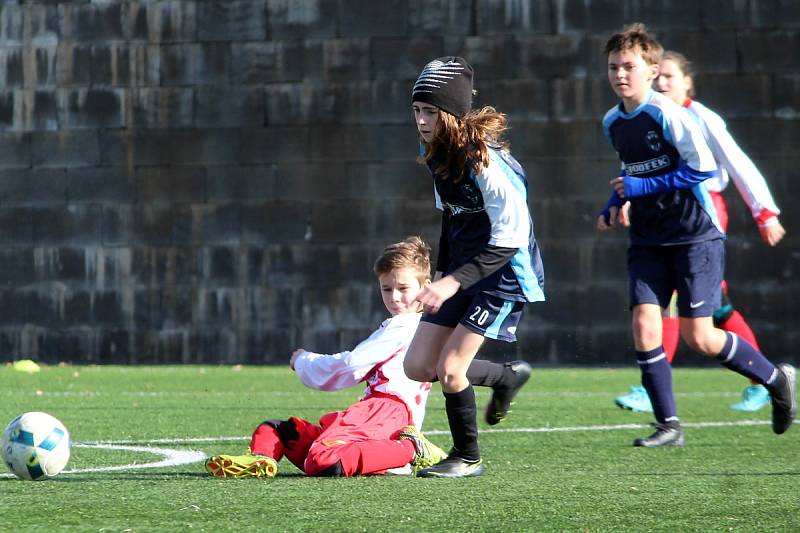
pixel 209 181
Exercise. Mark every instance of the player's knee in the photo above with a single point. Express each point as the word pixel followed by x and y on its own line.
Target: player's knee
pixel 334 470
pixel 417 371
pixel 646 331
pixel 452 377
pixel 700 341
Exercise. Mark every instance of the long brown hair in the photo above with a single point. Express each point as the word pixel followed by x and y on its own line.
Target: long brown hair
pixel 462 144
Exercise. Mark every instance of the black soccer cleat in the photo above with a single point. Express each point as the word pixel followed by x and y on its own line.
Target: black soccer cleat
pixel 784 399
pixel 454 466
pixel 669 434
pixel 503 394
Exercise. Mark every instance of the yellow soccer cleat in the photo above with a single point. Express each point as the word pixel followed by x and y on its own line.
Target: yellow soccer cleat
pixel 241 466
pixel 426 453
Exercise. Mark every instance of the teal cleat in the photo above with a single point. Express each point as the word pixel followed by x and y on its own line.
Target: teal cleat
pixel 637 400
pixel 754 398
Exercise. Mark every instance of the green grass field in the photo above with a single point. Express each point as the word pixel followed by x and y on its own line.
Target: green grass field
pixel 561 462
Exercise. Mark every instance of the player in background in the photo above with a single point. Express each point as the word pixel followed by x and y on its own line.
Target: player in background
pixel 380 432
pixel 676 241
pixel 676 80
pixel 488 264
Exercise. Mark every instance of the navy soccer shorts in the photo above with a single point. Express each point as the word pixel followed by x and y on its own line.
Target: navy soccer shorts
pixel 491 316
pixel 694 270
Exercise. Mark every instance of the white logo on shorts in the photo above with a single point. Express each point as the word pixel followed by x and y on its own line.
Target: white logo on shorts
pixel 512 329
pixel 694 305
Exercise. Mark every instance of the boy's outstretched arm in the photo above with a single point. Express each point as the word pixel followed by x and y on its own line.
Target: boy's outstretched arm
pixel 341 370
pixel 685 177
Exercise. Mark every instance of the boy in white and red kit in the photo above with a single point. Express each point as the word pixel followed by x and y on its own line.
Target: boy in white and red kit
pixel 379 432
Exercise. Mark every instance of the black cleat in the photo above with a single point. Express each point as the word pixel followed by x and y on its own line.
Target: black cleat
pixel 669 434
pixel 502 396
pixel 454 466
pixel 784 399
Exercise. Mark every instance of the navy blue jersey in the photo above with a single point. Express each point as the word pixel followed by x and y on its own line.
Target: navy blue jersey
pixel 664 158
pixel 491 208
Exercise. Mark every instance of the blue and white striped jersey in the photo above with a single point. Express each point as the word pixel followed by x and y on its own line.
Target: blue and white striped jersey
pixel 664 160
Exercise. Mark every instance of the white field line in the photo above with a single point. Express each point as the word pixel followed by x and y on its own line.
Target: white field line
pixel 171 457
pixel 174 394
pixel 547 429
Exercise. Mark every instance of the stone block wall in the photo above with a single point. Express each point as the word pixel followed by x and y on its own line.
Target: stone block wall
pixel 209 181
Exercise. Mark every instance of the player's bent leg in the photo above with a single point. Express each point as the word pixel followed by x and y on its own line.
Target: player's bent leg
pixel 357 458
pixel 266 439
pixel 454 359
pixel 422 356
pixel 285 438
pixel 701 335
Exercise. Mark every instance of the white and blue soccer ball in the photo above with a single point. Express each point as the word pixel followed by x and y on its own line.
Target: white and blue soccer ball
pixel 35 446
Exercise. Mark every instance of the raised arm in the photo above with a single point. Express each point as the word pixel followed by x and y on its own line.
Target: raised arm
pixel 337 371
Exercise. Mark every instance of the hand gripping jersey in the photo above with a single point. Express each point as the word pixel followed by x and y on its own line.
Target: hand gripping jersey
pixel 491 208
pixel 664 160
pixel 378 360
pixel 734 163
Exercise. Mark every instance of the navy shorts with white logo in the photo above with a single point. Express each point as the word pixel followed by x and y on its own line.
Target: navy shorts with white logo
pixel 490 316
pixel 694 270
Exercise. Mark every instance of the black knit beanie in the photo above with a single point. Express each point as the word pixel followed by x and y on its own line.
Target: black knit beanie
pixel 445 82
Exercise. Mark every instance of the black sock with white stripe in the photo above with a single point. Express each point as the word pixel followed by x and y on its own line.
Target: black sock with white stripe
pixel 657 381
pixel 740 356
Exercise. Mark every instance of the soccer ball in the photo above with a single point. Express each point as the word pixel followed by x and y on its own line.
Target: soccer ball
pixel 35 446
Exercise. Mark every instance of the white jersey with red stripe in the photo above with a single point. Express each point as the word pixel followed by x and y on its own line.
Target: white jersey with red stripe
pixel 378 360
pixel 734 164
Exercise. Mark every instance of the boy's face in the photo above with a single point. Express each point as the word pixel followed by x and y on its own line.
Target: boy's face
pixel 399 287
pixel 630 75
pixel 427 118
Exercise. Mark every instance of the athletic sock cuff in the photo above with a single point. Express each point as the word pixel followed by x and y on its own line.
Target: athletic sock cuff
pixel 651 356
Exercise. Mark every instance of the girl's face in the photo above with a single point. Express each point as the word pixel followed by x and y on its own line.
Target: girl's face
pixel 672 82
pixel 399 287
pixel 630 76
pixel 427 118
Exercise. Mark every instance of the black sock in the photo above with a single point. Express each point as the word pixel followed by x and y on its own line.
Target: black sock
pixel 462 417
pixel 483 373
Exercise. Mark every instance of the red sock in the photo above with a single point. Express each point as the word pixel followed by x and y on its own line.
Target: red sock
pixel 670 336
pixel 736 324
